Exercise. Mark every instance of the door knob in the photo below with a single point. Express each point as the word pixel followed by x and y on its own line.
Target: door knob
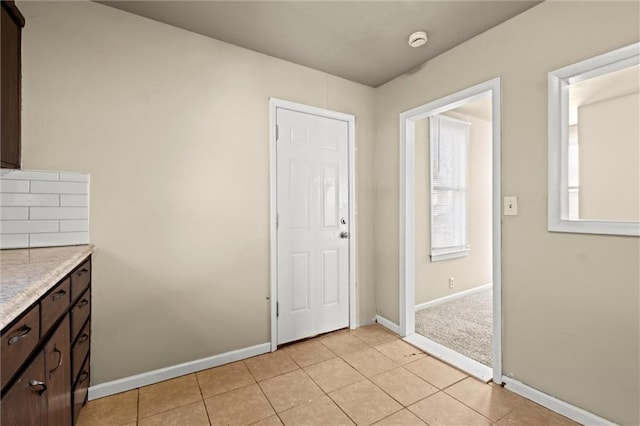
pixel 344 234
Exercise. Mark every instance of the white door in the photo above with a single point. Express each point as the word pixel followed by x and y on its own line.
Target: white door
pixel 312 231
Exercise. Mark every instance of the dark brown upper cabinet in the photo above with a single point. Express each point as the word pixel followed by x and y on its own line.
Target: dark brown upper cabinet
pixel 10 82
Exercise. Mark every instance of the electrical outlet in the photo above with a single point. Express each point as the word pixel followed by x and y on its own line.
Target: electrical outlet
pixel 451 282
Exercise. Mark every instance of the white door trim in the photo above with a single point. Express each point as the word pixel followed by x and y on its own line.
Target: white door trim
pixel 407 208
pixel 275 103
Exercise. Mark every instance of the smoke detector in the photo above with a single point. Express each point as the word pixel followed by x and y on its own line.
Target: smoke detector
pixel 417 39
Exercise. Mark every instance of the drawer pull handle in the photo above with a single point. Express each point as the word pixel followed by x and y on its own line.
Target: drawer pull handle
pixel 38 386
pixel 83 338
pixel 84 376
pixel 82 303
pixel 56 350
pixel 82 271
pixel 23 331
pixel 58 294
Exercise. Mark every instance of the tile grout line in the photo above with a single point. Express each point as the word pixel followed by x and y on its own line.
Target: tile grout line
pixel 170 409
pixel 396 412
pixel 206 410
pixel 262 390
pixel 392 397
pixel 137 406
pixel 468 406
pixel 338 405
pixel 370 381
pixel 341 387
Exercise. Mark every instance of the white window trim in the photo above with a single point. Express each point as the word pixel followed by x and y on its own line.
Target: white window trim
pixel 453 254
pixel 558 140
pixel 439 254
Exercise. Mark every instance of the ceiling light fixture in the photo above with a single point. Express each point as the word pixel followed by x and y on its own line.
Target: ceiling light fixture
pixel 417 39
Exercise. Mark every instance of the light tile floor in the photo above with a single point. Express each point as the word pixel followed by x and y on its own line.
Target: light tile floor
pixel 364 376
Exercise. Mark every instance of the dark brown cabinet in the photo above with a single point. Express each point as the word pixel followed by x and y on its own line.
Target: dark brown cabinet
pixel 10 84
pixel 18 342
pixel 58 363
pixel 26 401
pixel 80 390
pixel 45 355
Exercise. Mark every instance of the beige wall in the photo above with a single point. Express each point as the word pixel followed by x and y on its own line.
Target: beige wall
pixel 173 128
pixel 473 270
pixel 570 302
pixel 609 140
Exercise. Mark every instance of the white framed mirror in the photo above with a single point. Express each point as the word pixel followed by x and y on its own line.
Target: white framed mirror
pixel 594 145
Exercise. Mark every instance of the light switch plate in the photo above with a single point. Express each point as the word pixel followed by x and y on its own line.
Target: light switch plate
pixel 510 206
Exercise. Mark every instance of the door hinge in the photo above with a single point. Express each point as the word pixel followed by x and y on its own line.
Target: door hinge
pixel 277 309
pixel 277 132
pixel 277 221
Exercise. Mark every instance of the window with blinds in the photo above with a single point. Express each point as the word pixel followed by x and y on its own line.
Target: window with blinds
pixel 448 140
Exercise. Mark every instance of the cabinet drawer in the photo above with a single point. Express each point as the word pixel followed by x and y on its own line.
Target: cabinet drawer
pixel 79 314
pixel 54 304
pixel 80 349
pixel 80 279
pixel 18 342
pixel 80 390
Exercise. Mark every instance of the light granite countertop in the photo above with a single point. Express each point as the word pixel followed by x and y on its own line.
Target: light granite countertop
pixel 27 274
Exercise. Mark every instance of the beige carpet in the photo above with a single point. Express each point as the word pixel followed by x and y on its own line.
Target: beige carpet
pixel 463 324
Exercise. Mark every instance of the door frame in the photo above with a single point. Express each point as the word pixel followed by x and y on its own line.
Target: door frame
pixel 274 104
pixel 407 208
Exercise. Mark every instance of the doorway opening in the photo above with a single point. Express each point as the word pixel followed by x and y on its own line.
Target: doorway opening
pixel 312 203
pixel 450 281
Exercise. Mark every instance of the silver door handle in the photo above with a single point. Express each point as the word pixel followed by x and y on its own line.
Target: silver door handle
pixel 344 234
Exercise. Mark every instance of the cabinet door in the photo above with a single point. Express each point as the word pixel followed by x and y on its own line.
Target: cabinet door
pixel 12 23
pixel 26 401
pixel 81 389
pixel 59 375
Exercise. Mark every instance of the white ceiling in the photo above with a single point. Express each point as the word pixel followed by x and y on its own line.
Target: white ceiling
pixel 362 41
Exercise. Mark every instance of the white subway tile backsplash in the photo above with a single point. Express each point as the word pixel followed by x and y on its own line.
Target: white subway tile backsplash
pixel 28 200
pixel 14 213
pixel 28 226
pixel 74 177
pixel 44 187
pixel 28 175
pixel 40 209
pixel 14 241
pixel 74 200
pixel 58 239
pixel 14 185
pixel 36 213
pixel 78 225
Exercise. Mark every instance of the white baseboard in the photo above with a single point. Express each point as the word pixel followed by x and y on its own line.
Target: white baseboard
pixel 554 404
pixel 453 296
pixel 468 365
pixel 368 322
pixel 388 324
pixel 155 376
